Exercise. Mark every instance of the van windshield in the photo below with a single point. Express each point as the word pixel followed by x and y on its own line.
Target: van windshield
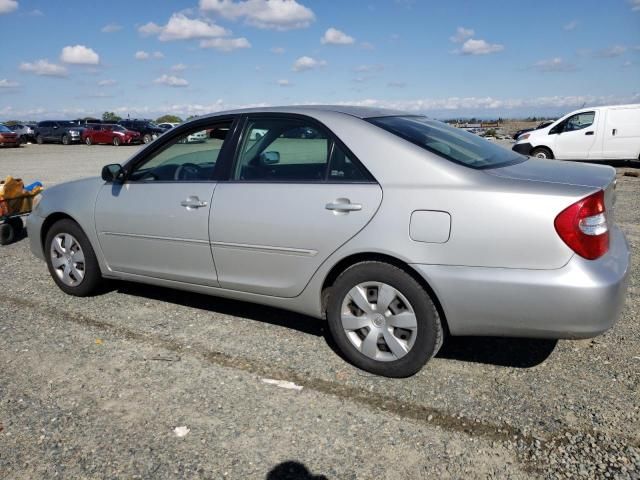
pixel 454 144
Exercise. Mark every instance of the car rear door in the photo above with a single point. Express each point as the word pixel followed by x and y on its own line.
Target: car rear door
pixel 621 136
pixel 295 194
pixel 156 223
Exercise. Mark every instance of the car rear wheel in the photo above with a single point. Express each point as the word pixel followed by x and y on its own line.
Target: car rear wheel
pixel 541 152
pixel 116 141
pixel 7 234
pixel 71 260
pixel 39 139
pixel 88 141
pixel 382 320
pixel 146 138
pixel 65 139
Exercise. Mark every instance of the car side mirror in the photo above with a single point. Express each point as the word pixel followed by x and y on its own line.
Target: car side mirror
pixel 113 173
pixel 269 158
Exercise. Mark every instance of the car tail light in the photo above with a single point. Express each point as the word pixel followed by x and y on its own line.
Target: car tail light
pixel 583 226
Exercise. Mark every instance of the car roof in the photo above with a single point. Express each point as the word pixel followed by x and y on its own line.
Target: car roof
pixel 352 110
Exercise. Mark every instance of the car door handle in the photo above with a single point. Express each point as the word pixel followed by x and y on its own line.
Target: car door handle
pixel 193 202
pixel 343 205
pixel 588 133
pixel 614 131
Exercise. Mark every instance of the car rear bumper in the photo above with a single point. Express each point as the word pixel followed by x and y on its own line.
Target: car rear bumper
pixel 580 300
pixel 522 148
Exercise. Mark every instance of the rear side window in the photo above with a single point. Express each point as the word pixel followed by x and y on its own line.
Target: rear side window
pixel 454 144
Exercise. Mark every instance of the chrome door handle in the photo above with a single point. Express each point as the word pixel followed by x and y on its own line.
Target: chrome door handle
pixel 343 205
pixel 193 202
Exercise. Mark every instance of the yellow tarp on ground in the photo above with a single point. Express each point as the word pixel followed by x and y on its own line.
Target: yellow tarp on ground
pixel 14 199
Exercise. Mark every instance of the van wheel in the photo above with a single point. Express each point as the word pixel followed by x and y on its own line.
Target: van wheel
pixel 382 320
pixel 541 152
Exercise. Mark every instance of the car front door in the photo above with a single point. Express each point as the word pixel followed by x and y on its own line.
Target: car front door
pixel 156 222
pixel 295 194
pixel 577 137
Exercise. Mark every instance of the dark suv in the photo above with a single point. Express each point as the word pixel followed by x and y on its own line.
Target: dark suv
pixel 147 129
pixel 63 131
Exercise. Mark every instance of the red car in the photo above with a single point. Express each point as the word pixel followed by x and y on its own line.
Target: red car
pixel 8 138
pixel 112 134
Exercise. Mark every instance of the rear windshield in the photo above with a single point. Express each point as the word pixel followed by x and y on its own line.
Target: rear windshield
pixel 454 144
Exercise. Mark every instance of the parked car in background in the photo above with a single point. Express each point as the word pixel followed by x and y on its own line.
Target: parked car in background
pixel 113 134
pixel 63 131
pixel 599 133
pixel 8 138
pixel 146 128
pixel 456 234
pixel 544 124
pixel 168 125
pixel 26 133
pixel 87 121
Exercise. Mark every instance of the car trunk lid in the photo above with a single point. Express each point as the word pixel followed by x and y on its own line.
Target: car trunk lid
pixel 568 173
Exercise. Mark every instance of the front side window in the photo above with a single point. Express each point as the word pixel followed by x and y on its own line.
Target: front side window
pixel 184 160
pixel 579 121
pixel 279 149
pixel 454 144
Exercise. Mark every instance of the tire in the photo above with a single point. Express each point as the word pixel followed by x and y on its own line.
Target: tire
pixel 39 139
pixel 88 141
pixel 23 140
pixel 17 225
pixel 146 138
pixel 83 285
pixel 418 343
pixel 65 140
pixel 541 152
pixel 116 141
pixel 7 234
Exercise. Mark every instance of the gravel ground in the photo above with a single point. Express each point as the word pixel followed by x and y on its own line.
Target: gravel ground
pixel 100 387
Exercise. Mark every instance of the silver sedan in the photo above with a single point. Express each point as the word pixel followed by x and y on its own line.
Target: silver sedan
pixel 395 228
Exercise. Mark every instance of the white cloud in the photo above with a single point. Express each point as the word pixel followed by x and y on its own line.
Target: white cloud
pixel 571 25
pixel 106 83
pixel 4 83
pixel 334 36
pixel 368 68
pixel 79 55
pixel 179 67
pixel 614 51
pixel 479 47
pixel 180 27
pixel 556 64
pixel 635 5
pixel 8 6
pixel 111 27
pixel 462 34
pixel 626 64
pixel 284 83
pixel 158 54
pixel 149 29
pixel 141 55
pixel 171 81
pixel 36 13
pixel 271 14
pixel 307 63
pixel 366 46
pixel 225 44
pixel 44 68
pixel 277 50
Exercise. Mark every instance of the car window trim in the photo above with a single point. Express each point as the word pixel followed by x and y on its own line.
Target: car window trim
pixel 228 169
pixel 168 137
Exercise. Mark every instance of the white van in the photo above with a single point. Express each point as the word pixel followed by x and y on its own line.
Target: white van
pixel 598 133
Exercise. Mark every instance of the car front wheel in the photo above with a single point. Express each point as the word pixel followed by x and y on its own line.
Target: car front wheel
pixel 541 152
pixel 147 138
pixel 39 140
pixel 116 141
pixel 71 260
pixel 65 140
pixel 88 141
pixel 382 320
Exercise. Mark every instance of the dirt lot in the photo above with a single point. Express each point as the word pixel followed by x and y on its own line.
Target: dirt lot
pixel 95 387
